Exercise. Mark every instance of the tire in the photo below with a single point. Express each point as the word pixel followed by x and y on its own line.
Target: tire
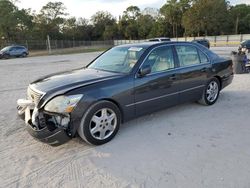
pixel 99 127
pixel 211 92
pixel 24 55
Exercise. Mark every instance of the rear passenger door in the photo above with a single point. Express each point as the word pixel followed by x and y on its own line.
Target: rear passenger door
pixel 12 51
pixel 194 66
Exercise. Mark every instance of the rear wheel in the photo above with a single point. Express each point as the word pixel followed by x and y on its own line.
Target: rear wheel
pixel 24 54
pixel 211 92
pixel 100 123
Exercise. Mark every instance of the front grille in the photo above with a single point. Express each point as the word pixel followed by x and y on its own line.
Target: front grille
pixel 35 96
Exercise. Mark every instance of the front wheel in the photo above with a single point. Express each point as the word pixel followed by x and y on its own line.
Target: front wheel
pixel 211 92
pixel 100 123
pixel 6 56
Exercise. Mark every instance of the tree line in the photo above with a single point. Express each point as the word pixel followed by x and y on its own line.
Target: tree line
pixel 176 18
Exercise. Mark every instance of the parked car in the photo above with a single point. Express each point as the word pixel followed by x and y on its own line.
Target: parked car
pixel 245 46
pixel 203 42
pixel 123 83
pixel 160 39
pixel 14 51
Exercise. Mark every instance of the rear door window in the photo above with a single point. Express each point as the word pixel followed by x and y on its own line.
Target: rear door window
pixel 187 55
pixel 203 57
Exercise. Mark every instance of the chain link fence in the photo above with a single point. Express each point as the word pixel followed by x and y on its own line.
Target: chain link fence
pixel 223 40
pixel 58 46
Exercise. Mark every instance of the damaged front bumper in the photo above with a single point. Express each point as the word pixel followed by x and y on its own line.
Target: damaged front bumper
pixel 44 126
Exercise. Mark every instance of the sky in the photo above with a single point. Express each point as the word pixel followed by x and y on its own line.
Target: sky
pixel 86 8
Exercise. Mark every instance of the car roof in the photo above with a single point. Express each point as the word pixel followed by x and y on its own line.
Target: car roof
pixel 147 45
pixel 200 40
pixel 162 38
pixel 152 44
pixel 11 46
pixel 246 41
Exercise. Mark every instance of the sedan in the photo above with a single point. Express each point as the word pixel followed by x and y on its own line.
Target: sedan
pixel 160 39
pixel 123 83
pixel 203 42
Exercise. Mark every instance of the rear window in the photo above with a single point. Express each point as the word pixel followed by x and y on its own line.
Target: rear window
pixel 165 39
pixel 21 48
pixel 203 57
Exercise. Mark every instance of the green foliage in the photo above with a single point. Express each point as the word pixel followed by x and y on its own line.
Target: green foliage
pixel 239 16
pixel 206 17
pixel 50 20
pixel 129 22
pixel 13 21
pixel 146 23
pixel 175 18
pixel 103 23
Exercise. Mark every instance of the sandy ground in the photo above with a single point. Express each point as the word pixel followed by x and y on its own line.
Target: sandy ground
pixel 185 146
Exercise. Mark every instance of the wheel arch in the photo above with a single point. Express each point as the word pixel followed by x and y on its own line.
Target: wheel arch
pixel 117 104
pixel 220 80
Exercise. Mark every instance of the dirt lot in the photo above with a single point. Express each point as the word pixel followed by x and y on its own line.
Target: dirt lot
pixel 185 146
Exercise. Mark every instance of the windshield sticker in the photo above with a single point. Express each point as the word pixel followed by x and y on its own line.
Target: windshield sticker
pixel 136 49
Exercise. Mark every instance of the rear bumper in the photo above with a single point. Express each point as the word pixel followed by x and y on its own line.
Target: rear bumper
pixel 38 127
pixel 227 80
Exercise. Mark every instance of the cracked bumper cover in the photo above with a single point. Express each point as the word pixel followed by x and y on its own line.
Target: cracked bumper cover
pixel 48 134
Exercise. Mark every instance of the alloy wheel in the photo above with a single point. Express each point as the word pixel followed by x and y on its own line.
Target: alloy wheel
pixel 103 124
pixel 212 91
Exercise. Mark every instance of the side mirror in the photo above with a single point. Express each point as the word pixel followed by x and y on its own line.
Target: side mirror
pixel 144 71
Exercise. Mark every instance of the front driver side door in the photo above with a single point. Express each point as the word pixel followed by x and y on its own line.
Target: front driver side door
pixel 159 88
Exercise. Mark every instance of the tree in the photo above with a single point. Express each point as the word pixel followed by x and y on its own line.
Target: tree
pixel 53 11
pixel 110 32
pixel 8 21
pixel 70 28
pixel 84 29
pixel 129 22
pixel 14 23
pixel 103 21
pixel 161 28
pixel 50 19
pixel 239 16
pixel 145 25
pixel 206 17
pixel 171 13
pixel 131 13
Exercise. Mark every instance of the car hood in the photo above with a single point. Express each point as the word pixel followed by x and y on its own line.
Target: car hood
pixel 66 81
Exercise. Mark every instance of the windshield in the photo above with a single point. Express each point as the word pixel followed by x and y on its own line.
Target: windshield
pixel 118 59
pixel 5 49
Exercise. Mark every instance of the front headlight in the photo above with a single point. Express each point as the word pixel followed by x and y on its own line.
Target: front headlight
pixel 63 104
